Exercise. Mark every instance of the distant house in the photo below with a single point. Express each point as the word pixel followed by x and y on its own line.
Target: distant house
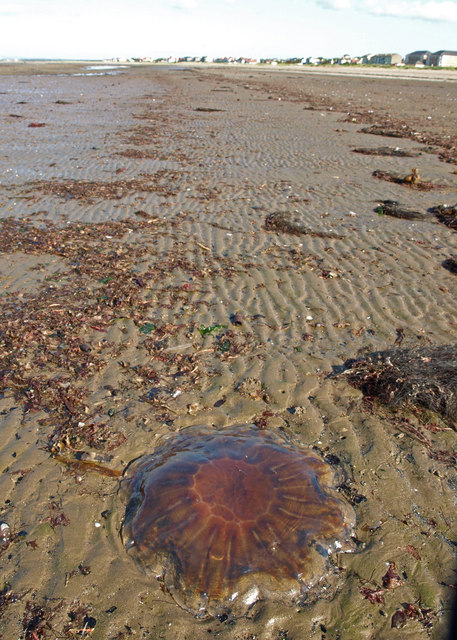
pixel 246 61
pixel 443 59
pixel 386 58
pixel 345 59
pixel 418 58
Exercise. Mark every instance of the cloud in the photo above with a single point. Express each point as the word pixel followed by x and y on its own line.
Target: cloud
pixel 335 4
pixel 442 11
pixel 435 10
pixel 185 4
pixel 11 9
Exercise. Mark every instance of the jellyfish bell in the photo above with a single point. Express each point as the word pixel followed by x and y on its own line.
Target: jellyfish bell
pixel 227 517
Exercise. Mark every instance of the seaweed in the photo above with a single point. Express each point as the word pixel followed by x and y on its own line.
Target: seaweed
pixel 418 378
pixel 208 109
pixel 380 130
pixel 412 180
pixel 445 145
pixel 137 153
pixel 91 190
pixel 280 222
pixel 386 151
pixel 448 155
pixel 390 580
pixel 53 341
pixel 446 214
pixel 81 466
pixel 410 611
pixel 393 208
pixel 7 597
pixel 450 264
pixel 37 620
pixel 206 331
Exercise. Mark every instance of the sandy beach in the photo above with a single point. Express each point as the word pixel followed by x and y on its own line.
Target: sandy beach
pixel 202 245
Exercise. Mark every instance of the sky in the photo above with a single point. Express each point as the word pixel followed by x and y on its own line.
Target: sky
pixel 100 29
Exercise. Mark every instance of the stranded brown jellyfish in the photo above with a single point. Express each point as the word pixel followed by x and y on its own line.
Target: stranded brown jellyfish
pixel 227 517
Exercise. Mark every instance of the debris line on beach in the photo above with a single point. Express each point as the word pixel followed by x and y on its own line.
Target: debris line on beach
pixel 386 151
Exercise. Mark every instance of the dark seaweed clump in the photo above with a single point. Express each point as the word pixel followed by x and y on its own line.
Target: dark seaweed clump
pixel 393 208
pixel 450 264
pixel 282 223
pixel 386 151
pixel 418 378
pixel 446 214
pixel 394 128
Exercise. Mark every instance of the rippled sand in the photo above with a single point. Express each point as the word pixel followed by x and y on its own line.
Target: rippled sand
pixel 219 150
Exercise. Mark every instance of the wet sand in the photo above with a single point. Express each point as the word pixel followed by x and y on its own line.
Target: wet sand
pixel 132 217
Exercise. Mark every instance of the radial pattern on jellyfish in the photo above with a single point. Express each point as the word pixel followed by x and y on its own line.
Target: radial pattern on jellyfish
pixel 218 513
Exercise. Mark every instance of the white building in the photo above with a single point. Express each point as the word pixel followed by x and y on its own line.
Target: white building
pixel 443 59
pixel 386 58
